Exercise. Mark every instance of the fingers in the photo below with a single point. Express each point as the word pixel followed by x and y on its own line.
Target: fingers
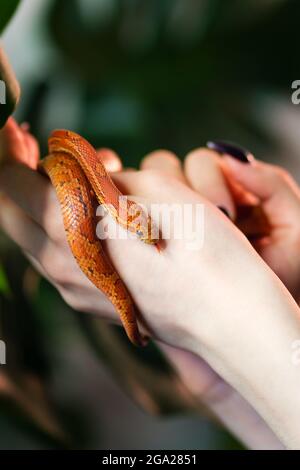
pixel 277 191
pixel 150 184
pixel 37 266
pixel 260 178
pixel 26 188
pixel 20 228
pixel 34 194
pixel 53 262
pixel 31 239
pixel 74 287
pixel 17 144
pixel 110 160
pixel 204 174
pixel 165 162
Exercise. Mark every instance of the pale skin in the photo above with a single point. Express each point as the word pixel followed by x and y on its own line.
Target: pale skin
pixel 238 326
pixel 219 180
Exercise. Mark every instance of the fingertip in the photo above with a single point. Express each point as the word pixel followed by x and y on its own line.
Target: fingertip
pixel 204 174
pixel 158 159
pixel 110 160
pixel 233 163
pixel 238 168
pixel 257 178
pixel 200 153
pixel 165 162
pixel 33 151
pixel 19 145
pixel 237 152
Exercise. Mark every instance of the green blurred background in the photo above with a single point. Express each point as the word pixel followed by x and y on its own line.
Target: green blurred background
pixel 133 75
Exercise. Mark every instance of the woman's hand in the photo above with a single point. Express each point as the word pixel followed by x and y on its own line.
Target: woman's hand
pixel 220 302
pixel 168 282
pixel 279 196
pixel 202 171
pixel 228 183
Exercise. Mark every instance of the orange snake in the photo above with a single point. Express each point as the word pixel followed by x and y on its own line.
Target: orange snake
pixel 80 180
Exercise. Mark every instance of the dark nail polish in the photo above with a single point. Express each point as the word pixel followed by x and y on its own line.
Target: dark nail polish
pixel 225 211
pixel 235 151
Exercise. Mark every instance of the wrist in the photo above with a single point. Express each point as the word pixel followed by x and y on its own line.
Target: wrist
pixel 226 306
pixel 251 348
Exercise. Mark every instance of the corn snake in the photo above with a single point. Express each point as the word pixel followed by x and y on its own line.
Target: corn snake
pixel 80 181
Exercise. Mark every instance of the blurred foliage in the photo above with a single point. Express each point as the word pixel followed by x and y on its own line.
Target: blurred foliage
pixel 143 373
pixel 23 392
pixel 8 8
pixel 4 287
pixel 172 73
pixel 11 89
pixel 133 75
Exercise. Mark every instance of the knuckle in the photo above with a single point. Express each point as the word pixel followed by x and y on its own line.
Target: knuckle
pixel 69 298
pixel 73 300
pixel 278 173
pixel 55 267
pixel 201 152
pixel 54 226
pixel 161 154
pixel 53 221
pixel 155 177
pixel 284 175
pixel 57 233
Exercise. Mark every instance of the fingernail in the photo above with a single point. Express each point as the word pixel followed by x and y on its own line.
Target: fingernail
pixel 225 211
pixel 229 148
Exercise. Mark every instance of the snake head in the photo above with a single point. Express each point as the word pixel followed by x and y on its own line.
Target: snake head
pixel 139 222
pixel 145 235
pixel 146 230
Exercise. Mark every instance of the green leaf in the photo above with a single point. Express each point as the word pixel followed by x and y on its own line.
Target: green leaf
pixel 4 286
pixel 7 9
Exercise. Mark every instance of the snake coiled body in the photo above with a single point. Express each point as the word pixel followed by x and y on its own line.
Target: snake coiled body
pixel 81 180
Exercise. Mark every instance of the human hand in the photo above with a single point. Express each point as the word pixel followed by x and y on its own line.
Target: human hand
pixel 35 223
pixel 202 171
pixel 205 305
pixel 278 194
pixel 230 183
